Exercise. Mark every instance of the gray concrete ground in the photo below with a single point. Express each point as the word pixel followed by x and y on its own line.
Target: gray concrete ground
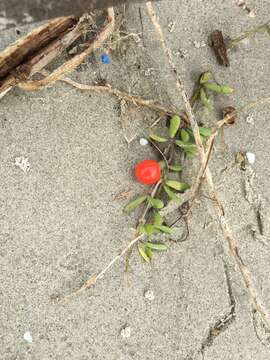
pixel 59 222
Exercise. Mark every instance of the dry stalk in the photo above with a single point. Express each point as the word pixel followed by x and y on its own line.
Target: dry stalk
pixel 232 242
pixel 94 278
pixel 134 99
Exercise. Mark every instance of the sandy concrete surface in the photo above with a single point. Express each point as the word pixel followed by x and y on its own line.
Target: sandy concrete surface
pixel 59 222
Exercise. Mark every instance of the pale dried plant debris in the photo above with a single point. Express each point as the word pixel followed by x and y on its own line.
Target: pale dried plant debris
pixel 199 44
pixel 149 295
pixel 22 163
pixel 244 5
pixel 171 26
pixel 126 332
pixel 250 119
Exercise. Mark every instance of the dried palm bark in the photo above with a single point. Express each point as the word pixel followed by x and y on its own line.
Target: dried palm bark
pixel 32 53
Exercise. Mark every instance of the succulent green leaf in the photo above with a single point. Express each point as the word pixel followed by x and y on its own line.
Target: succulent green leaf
pixel 149 252
pixel 226 89
pixel 172 195
pixel 158 138
pixel 174 126
pixel 165 229
pixel 186 146
pixel 158 219
pixel 184 135
pixel 156 246
pixel 156 203
pixel 204 99
pixel 205 77
pixel 205 132
pixel 175 167
pixel 212 86
pixel 143 254
pixel 149 229
pixel 177 185
pixel 134 204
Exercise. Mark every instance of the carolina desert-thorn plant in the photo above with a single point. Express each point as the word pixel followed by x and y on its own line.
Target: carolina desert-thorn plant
pixel 165 174
pixel 168 186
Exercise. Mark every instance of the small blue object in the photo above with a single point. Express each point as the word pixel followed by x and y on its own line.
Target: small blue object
pixel 105 58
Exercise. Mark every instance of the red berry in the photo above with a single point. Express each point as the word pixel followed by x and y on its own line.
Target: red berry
pixel 148 172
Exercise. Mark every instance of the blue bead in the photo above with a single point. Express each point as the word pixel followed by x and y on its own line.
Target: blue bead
pixel 105 58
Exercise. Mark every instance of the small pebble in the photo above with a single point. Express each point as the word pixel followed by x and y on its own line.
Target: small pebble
pixel 28 337
pixel 251 158
pixel 105 58
pixel 149 295
pixel 143 142
pixel 126 332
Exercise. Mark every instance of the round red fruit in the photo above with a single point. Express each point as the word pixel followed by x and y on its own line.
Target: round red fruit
pixel 148 172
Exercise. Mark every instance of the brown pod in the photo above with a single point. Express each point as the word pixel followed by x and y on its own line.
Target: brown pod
pixel 231 112
pixel 219 47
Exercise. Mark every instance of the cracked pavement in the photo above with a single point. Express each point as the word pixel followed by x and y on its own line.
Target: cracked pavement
pixel 59 222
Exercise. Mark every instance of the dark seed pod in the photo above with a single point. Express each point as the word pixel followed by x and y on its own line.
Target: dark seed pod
pixel 231 113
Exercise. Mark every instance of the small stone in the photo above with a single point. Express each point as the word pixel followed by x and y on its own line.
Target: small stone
pixel 251 158
pixel 149 295
pixel 143 142
pixel 126 332
pixel 28 337
pixel 22 163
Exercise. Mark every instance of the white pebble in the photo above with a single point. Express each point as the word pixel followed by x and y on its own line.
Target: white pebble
pixel 251 158
pixel 22 163
pixel 28 337
pixel 149 295
pixel 143 142
pixel 126 332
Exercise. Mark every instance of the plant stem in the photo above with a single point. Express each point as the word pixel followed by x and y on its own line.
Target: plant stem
pixel 232 43
pixel 149 206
